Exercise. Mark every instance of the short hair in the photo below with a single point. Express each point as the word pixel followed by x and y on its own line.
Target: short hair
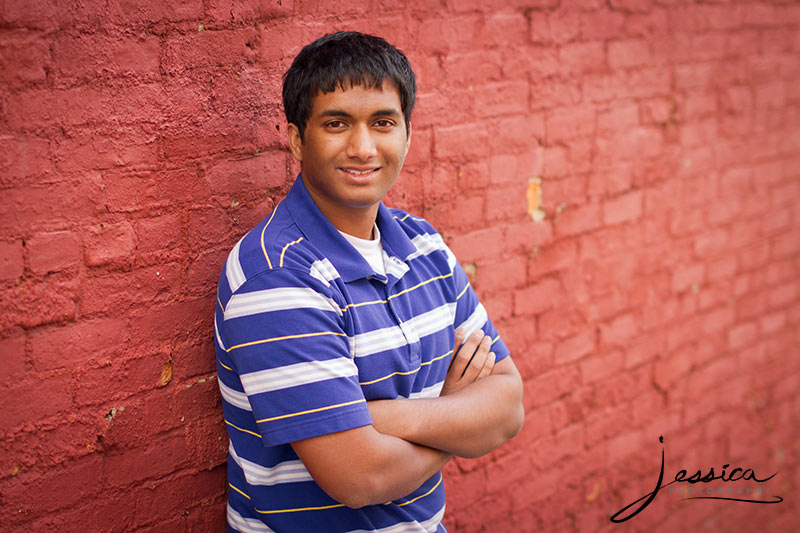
pixel 345 59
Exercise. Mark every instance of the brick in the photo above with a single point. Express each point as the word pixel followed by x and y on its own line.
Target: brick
pixel 12 260
pixel 450 141
pixel 34 303
pixel 538 297
pixel 245 10
pixel 58 487
pixel 92 56
pixel 492 276
pixel 573 221
pixel 575 347
pixel 480 244
pixel 601 25
pixel 601 366
pixel 624 208
pixel 47 108
pixel 125 290
pixel 551 385
pixel 150 11
pixel 582 57
pixel 110 245
pixel 471 68
pixel 498 99
pixel 560 26
pixel 628 53
pixel 567 442
pixel 560 255
pixel 73 344
pixel 25 57
pixel 13 350
pixel 523 236
pixel 686 276
pixel 160 234
pixel 52 252
pixel 94 150
pixel 546 95
pixel 163 456
pixel 506 29
pixel 620 330
pixel 32 209
pixel 33 404
pixel 568 123
pixel 617 117
pixel 638 83
pixel 119 377
pixel 24 160
pixel 178 494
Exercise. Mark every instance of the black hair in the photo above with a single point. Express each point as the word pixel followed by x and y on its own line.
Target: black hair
pixel 344 60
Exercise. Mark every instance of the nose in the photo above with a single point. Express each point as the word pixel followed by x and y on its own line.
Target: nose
pixel 360 143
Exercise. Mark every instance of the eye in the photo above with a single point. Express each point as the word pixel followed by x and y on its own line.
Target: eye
pixel 384 123
pixel 334 124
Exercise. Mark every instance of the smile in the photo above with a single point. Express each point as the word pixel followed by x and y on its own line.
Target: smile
pixel 356 172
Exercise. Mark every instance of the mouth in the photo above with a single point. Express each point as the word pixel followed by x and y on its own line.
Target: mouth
pixel 360 173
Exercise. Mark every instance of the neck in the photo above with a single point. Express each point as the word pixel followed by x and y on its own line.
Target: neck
pixel 355 221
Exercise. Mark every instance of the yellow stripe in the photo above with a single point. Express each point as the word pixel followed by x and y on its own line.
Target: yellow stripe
pixel 220 305
pixel 436 358
pixel 406 373
pixel 317 410
pixel 301 509
pixel 420 284
pixel 264 248
pixel 288 245
pixel 390 375
pixel 417 286
pixel 245 430
pixel 273 339
pixel 460 294
pixel 240 492
pixel 422 495
pixel 495 340
pixel 223 365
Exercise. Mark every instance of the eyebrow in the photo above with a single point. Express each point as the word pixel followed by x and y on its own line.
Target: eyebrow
pixel 342 113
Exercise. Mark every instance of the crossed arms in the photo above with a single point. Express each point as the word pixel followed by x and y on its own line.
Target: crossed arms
pixel 480 407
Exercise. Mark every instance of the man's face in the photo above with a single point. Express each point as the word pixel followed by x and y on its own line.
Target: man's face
pixel 354 147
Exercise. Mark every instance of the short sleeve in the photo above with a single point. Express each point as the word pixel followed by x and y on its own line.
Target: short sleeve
pixel 284 334
pixel 470 313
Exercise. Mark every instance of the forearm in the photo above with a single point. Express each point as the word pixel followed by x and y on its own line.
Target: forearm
pixel 364 467
pixel 468 423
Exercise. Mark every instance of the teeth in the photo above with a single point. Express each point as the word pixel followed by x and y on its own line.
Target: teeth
pixel 358 172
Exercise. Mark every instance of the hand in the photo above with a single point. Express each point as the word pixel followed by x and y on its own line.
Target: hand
pixel 471 361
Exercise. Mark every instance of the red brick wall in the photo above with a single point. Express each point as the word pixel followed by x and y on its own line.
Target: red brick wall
pixel 659 294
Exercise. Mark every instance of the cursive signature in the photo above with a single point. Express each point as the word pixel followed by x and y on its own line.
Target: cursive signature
pixel 734 475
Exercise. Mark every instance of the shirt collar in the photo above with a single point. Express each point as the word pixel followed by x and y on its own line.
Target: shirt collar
pixel 325 237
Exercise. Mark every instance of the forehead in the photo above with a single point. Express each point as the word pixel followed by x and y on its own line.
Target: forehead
pixel 358 99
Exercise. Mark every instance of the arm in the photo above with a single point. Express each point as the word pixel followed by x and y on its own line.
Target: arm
pixel 361 467
pixel 469 422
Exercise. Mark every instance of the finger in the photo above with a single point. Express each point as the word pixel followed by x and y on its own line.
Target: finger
pixel 459 340
pixel 488 366
pixel 478 359
pixel 464 353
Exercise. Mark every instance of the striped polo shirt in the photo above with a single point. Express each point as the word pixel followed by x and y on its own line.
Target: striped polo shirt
pixel 306 333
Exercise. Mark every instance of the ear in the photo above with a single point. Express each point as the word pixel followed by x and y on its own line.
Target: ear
pixel 408 138
pixel 295 142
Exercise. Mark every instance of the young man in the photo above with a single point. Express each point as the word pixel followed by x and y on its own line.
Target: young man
pixel 353 356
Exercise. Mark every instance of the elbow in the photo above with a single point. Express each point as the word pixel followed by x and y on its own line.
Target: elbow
pixel 516 420
pixel 362 492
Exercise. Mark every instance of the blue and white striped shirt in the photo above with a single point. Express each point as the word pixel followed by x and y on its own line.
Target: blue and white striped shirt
pixel 306 333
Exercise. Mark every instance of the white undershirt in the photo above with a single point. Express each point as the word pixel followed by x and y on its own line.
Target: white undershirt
pixel 371 250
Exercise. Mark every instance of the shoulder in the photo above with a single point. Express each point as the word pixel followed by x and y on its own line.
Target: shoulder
pixel 412 224
pixel 274 252
pixel 423 235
